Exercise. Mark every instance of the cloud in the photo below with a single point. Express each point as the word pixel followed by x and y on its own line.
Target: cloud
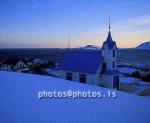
pixel 137 21
pixel 129 33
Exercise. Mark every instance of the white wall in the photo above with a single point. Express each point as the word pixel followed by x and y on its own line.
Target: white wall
pixel 108 57
pixel 90 78
pixel 95 79
pixel 106 81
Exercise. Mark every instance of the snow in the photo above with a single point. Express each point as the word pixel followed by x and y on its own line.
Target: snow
pixel 142 83
pixel 53 72
pixel 90 47
pixel 127 70
pixel 19 102
pixel 132 80
pixel 128 80
pixel 141 89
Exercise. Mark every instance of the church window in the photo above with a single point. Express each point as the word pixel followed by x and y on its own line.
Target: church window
pixel 114 64
pixel 82 78
pixel 69 76
pixel 114 53
pixel 104 66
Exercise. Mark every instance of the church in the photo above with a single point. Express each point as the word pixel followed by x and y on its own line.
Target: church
pixel 96 67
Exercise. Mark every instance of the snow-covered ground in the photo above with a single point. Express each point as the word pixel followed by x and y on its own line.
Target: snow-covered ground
pixel 19 103
pixel 127 70
pixel 132 80
pixel 128 80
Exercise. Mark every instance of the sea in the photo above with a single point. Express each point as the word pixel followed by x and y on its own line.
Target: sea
pixel 129 56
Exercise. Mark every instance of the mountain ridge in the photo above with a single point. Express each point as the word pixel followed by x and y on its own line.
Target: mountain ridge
pixel 145 45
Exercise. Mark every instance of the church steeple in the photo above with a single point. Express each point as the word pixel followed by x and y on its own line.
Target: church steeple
pixel 109 38
pixel 109 68
pixel 109 41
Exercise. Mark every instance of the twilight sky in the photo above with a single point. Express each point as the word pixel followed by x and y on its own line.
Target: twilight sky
pixel 47 23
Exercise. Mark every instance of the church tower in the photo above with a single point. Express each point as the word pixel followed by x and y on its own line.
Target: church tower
pixel 110 74
pixel 109 49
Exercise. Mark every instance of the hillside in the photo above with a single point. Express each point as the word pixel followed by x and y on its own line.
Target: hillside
pixel 145 45
pixel 90 47
pixel 19 102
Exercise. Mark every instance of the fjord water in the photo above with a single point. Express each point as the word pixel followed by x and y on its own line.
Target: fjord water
pixel 134 56
pixel 131 56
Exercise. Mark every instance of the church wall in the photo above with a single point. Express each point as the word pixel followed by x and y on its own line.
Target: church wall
pixel 75 76
pixel 95 79
pixel 90 78
pixel 108 58
pixel 106 81
pixel 62 74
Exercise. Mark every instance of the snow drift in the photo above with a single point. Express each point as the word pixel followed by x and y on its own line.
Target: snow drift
pixel 19 103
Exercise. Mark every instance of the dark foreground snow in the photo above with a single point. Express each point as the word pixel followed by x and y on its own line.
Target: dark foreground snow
pixel 19 103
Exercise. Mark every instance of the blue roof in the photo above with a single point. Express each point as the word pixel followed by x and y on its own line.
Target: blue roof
pixel 82 61
pixel 110 72
pixel 109 41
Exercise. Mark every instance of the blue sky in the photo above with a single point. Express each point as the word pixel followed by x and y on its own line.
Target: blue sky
pixel 46 23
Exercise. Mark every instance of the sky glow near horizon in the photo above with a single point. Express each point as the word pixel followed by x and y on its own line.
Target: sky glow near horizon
pixel 47 23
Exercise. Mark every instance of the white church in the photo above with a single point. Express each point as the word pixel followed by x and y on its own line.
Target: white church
pixel 96 67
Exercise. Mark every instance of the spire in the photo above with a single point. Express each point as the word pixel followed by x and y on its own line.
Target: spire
pixel 109 41
pixel 109 38
pixel 109 22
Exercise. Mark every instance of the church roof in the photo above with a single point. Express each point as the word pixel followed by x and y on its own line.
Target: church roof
pixel 82 61
pixel 109 41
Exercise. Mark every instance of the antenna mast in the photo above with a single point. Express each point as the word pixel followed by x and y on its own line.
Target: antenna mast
pixel 68 45
pixel 109 22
